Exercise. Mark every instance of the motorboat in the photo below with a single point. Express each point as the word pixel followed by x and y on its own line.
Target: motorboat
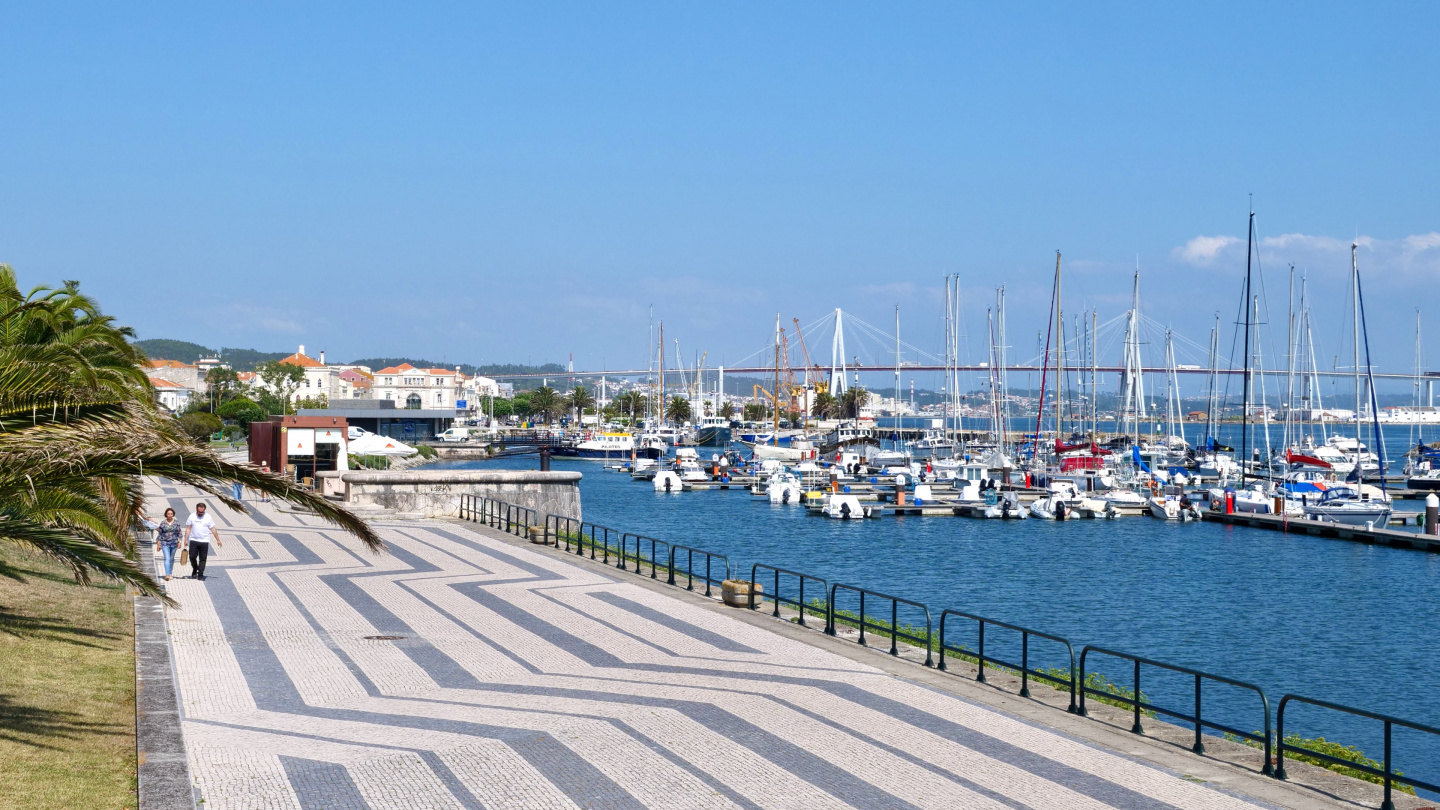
pixel 668 481
pixel 1006 507
pixel 1367 506
pixel 784 488
pixel 770 451
pixel 691 471
pixel 1172 503
pixel 843 507
pixel 612 445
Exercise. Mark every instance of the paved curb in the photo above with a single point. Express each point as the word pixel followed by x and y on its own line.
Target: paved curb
pixel 162 764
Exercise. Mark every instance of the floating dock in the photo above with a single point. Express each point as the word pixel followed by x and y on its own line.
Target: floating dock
pixel 1320 528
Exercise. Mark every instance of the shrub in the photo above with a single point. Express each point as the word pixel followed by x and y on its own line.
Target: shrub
pixel 199 426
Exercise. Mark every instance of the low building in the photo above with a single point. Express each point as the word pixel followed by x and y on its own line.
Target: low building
pixel 320 379
pixel 299 446
pixel 380 416
pixel 172 396
pixel 356 384
pixel 176 372
pixel 415 388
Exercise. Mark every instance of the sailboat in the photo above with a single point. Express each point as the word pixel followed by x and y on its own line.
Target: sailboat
pixel 1357 503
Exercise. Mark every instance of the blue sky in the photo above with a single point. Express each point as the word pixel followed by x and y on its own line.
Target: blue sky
pixel 522 182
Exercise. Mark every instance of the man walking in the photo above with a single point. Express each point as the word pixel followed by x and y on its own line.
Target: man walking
pixel 199 532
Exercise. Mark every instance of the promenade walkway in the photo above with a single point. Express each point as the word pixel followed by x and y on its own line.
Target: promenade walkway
pixel 463 671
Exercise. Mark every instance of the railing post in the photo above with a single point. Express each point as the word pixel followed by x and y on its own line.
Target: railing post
pixel 1024 664
pixel 980 673
pixel 671 580
pixel 862 619
pixel 929 637
pixel 894 627
pixel 707 574
pixel 941 664
pixel 1387 804
pixel 1137 728
pixel 1280 739
pixel 1072 709
pixel 830 611
pixel 775 594
pixel 652 557
pixel 1081 681
pixel 1199 746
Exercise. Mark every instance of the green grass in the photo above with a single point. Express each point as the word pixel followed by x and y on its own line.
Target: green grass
pixel 67 689
pixel 1338 750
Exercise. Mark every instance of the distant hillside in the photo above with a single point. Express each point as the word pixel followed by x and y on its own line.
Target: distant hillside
pixel 187 352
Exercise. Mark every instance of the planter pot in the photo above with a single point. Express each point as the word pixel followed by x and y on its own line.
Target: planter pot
pixel 537 535
pixel 736 592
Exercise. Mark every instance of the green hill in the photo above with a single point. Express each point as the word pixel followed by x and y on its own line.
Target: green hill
pixel 187 352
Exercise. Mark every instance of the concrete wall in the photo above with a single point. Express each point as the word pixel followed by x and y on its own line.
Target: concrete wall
pixel 436 493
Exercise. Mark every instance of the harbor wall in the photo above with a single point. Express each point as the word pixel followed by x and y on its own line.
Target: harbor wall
pixel 436 493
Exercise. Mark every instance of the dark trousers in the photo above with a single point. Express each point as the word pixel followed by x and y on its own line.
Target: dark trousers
pixel 198 553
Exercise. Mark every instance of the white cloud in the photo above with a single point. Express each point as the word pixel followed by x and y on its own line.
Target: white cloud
pixel 1300 241
pixel 1203 249
pixel 1422 242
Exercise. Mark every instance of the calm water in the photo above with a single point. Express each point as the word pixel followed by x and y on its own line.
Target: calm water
pixel 1329 619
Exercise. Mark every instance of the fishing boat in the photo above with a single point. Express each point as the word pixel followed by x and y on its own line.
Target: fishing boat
pixel 713 431
pixel 608 445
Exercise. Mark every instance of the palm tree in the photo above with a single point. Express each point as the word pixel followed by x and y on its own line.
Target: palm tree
pixel 679 409
pixel 824 406
pixel 727 410
pixel 544 403
pixel 579 400
pixel 852 401
pixel 79 429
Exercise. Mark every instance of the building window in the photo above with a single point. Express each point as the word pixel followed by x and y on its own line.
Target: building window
pixel 413 402
pixel 439 398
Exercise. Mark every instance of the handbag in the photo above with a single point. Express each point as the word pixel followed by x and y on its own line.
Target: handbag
pixel 185 555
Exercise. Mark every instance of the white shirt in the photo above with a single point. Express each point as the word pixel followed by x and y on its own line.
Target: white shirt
pixel 201 528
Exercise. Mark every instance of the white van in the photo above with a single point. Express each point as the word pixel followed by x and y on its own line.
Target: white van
pixel 457 434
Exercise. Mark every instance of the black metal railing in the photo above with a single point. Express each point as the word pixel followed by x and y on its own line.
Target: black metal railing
pixel 507 517
pixel 1386 773
pixel 1024 668
pixel 639 556
pixel 689 572
pixel 558 527
pixel 863 621
pixel 1138 704
pixel 599 539
pixel 798 602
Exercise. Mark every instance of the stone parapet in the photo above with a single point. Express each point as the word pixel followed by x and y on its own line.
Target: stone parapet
pixel 436 493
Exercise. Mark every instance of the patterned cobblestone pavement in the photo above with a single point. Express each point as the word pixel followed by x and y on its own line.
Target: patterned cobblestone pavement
pixel 462 671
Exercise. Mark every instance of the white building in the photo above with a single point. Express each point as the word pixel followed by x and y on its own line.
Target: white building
pixel 320 379
pixel 172 396
pixel 411 387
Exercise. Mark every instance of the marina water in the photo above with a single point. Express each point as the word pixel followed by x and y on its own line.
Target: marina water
pixel 1326 618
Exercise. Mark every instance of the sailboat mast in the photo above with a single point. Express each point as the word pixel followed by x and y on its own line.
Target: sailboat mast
pixel 775 392
pixel 1355 301
pixel 1210 403
pixel 1245 387
pixel 662 372
pixel 897 358
pixel 1059 356
pixel 1094 376
pixel 1290 364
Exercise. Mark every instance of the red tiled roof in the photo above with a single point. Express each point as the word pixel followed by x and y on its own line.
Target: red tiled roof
pixel 396 369
pixel 303 360
pixel 167 364
pixel 158 383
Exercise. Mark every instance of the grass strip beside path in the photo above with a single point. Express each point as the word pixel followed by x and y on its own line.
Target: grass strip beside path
pixel 67 689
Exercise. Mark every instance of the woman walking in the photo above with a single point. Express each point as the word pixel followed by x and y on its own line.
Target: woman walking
pixel 167 539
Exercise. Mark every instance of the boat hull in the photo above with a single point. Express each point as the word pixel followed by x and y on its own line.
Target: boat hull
pixel 713 436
